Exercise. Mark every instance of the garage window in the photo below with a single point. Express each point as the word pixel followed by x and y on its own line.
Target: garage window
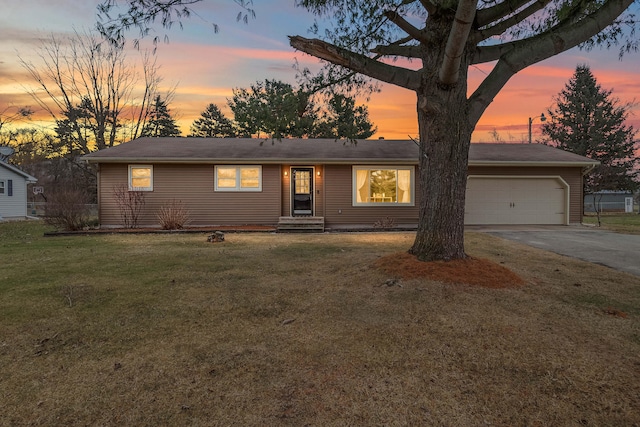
pixel 140 178
pixel 390 186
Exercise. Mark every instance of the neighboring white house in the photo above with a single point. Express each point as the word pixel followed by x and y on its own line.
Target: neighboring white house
pixel 13 191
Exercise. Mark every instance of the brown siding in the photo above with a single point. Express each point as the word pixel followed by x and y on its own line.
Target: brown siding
pixel 573 177
pixel 193 185
pixel 285 190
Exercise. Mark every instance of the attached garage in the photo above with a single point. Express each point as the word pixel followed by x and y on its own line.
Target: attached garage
pixel 516 200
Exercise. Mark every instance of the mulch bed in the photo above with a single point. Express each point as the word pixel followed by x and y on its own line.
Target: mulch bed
pixel 472 271
pixel 225 228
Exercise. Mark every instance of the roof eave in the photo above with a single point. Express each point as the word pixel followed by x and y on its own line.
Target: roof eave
pixel 536 163
pixel 246 161
pixel 26 176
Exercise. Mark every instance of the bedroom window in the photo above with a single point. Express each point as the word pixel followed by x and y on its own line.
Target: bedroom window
pixel 238 178
pixel 2 190
pixel 373 186
pixel 140 178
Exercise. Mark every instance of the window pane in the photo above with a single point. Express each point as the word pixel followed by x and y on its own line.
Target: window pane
pixel 249 178
pixel 1 187
pixel 140 182
pixel 140 173
pixel 140 178
pixel 404 186
pixel 362 186
pixel 227 177
pixel 383 186
pixel 302 182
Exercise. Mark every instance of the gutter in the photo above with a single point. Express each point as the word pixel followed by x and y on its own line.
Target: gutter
pixel 591 165
pixel 589 168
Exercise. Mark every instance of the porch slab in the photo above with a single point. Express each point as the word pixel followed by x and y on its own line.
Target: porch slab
pixel 301 224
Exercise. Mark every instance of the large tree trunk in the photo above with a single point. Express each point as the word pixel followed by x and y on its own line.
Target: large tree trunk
pixel 444 146
pixel 445 136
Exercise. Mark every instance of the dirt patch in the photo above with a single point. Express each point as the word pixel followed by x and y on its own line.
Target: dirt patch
pixel 615 312
pixel 471 271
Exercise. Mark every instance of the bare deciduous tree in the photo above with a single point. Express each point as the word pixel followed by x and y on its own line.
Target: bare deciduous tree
pixel 95 94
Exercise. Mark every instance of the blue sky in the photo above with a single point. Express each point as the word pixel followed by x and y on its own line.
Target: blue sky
pixel 205 66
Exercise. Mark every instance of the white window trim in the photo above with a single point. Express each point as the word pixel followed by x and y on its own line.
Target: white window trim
pixel 238 188
pixel 150 188
pixel 354 192
pixel 3 187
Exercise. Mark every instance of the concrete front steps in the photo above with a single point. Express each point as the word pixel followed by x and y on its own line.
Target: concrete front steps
pixel 301 224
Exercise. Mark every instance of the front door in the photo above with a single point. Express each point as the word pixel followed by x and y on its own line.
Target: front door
pixel 302 191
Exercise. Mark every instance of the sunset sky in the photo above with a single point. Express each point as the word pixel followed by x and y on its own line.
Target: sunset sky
pixel 205 67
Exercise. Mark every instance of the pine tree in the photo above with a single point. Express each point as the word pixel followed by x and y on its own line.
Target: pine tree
pixel 212 124
pixel 343 119
pixel 160 123
pixel 588 121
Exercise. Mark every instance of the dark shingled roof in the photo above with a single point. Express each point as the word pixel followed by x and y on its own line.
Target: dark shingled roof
pixel 381 151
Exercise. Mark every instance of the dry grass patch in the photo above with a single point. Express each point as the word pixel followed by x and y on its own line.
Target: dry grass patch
pixel 272 329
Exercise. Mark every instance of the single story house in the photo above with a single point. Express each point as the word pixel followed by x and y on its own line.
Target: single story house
pixel 337 184
pixel 13 191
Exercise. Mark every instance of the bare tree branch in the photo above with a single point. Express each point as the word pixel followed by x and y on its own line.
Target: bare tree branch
pixel 405 26
pixel 485 54
pixel 495 13
pixel 449 70
pixel 411 51
pixel 429 6
pixel 505 24
pixel 398 76
pixel 535 49
pixel 89 88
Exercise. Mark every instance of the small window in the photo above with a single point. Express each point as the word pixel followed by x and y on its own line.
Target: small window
pixel 383 186
pixel 238 178
pixel 2 191
pixel 141 178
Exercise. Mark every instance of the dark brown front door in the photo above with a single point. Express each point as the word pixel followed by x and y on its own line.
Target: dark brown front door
pixel 302 191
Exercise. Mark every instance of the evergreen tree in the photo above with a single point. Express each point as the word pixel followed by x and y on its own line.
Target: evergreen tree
pixel 344 120
pixel 160 123
pixel 278 110
pixel 272 108
pixel 212 124
pixel 587 120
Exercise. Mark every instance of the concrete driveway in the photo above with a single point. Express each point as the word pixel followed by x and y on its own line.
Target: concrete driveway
pixel 618 251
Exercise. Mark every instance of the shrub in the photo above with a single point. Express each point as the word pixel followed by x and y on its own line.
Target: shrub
pixel 130 204
pixel 67 208
pixel 173 217
pixel 384 223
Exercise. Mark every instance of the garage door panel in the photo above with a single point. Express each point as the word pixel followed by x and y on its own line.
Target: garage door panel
pixel 515 200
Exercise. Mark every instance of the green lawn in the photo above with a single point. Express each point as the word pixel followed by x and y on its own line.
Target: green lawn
pixel 620 222
pixel 290 329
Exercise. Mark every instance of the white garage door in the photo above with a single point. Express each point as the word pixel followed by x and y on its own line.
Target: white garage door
pixel 516 200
